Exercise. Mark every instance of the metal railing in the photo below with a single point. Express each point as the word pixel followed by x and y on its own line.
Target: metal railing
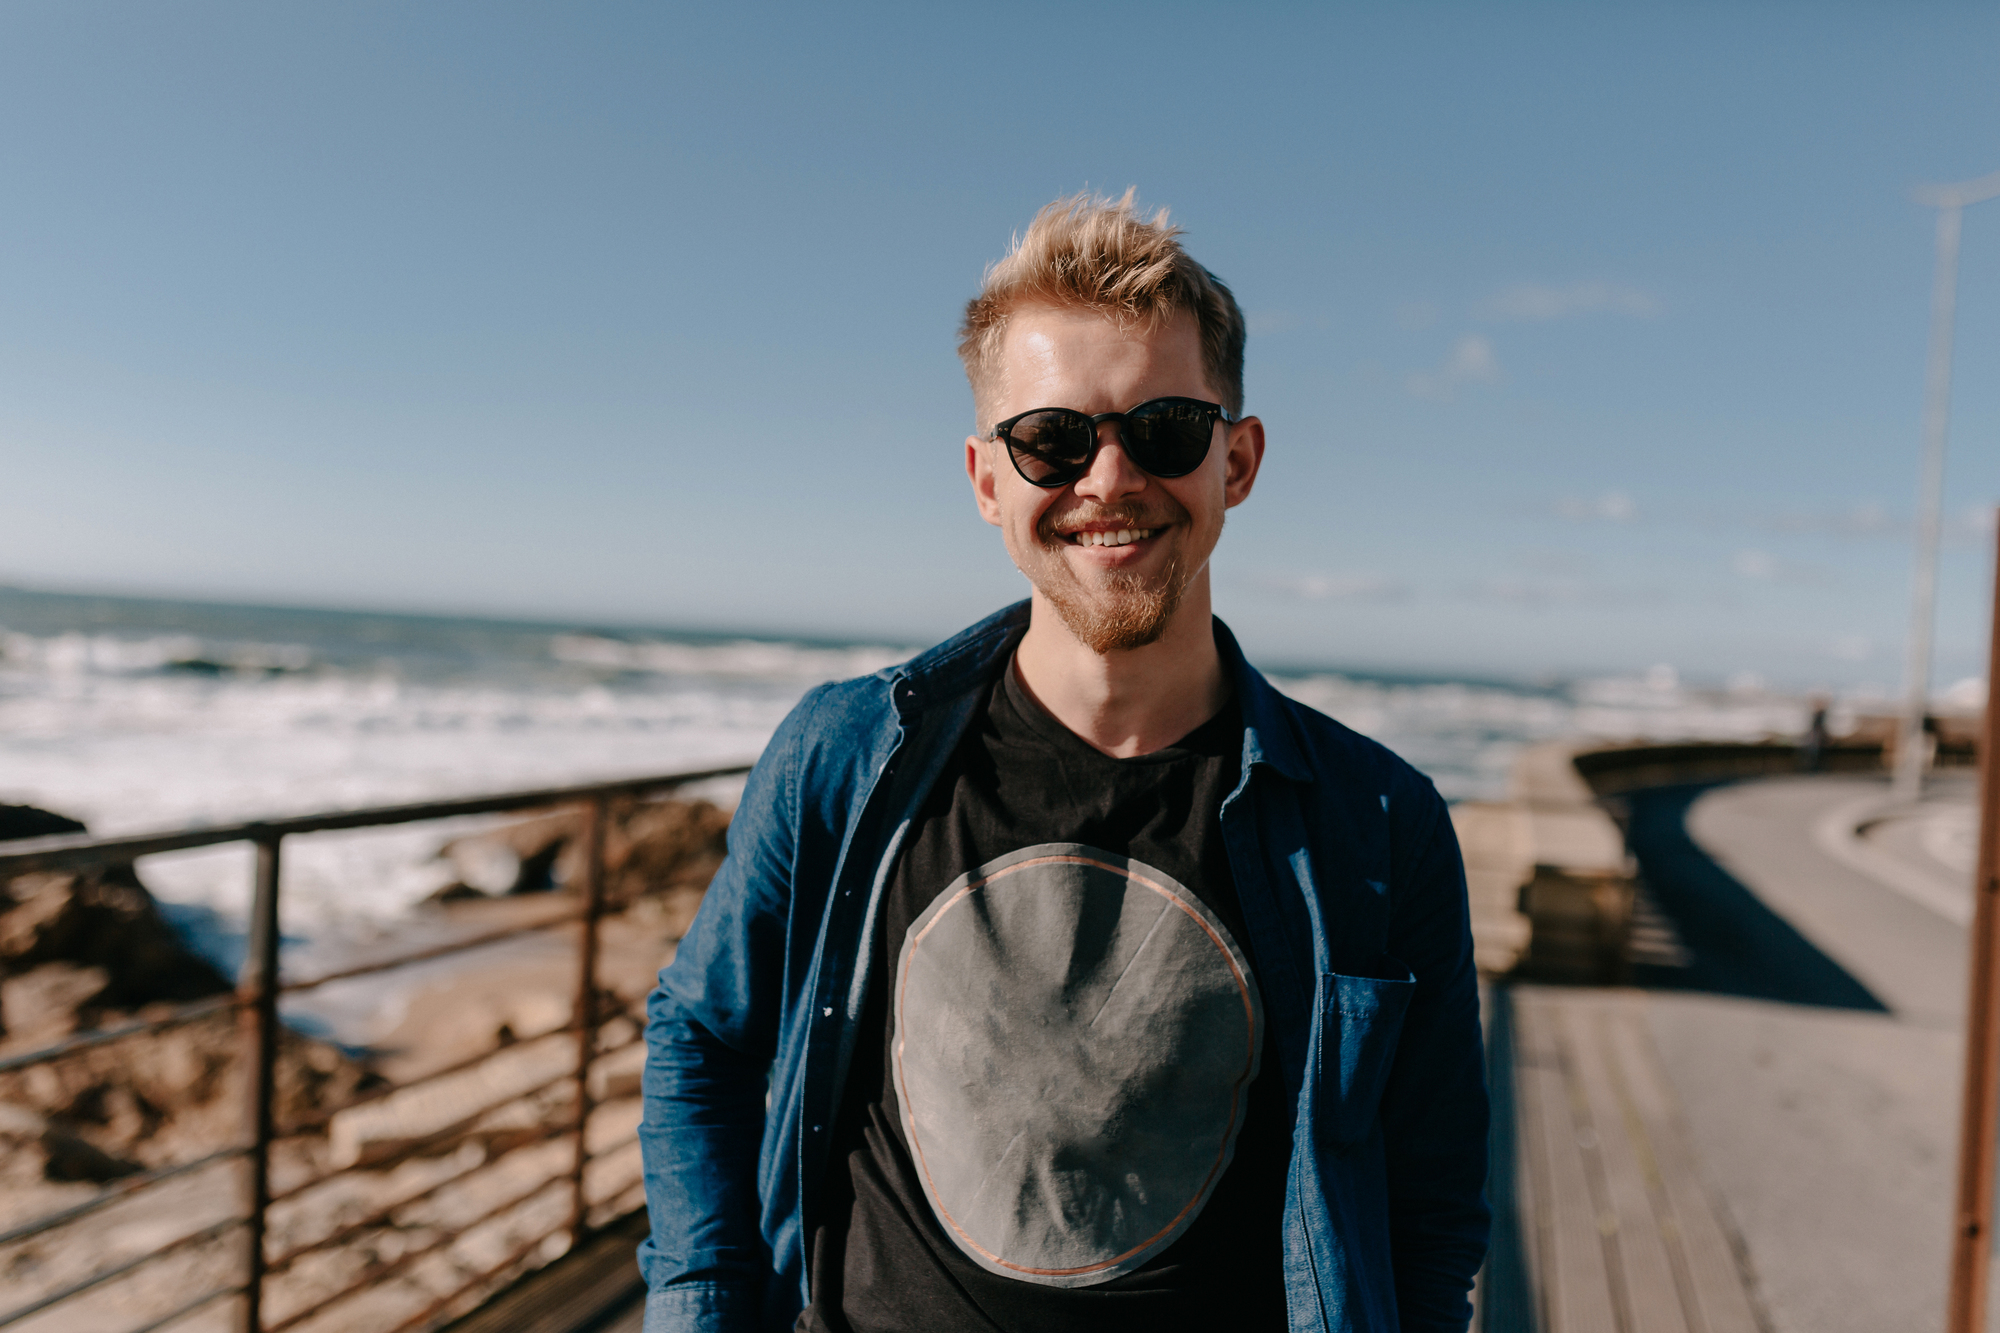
pixel 256 1002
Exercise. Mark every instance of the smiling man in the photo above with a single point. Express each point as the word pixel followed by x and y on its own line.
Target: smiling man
pixel 1068 977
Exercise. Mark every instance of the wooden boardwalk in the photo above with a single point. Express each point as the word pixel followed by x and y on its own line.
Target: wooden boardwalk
pixel 594 1289
pixel 1602 1224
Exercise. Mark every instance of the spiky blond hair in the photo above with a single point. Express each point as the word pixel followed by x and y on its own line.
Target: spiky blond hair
pixel 1092 252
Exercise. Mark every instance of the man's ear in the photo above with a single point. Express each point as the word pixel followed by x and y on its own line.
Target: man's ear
pixel 979 470
pixel 1245 457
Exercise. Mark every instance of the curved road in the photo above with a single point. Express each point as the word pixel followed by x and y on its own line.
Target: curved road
pixel 1814 1039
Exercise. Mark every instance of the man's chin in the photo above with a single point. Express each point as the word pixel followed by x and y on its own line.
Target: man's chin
pixel 1108 620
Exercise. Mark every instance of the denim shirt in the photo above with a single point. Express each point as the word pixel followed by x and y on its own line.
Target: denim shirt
pixel 1353 896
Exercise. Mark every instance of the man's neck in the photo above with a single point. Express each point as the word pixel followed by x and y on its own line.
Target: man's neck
pixel 1132 701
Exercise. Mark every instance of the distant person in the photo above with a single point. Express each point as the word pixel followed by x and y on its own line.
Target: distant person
pixel 1068 976
pixel 1812 746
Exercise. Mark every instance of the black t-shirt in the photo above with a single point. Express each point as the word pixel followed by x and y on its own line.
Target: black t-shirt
pixel 1064 1019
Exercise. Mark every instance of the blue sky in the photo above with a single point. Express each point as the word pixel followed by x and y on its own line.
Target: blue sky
pixel 1586 337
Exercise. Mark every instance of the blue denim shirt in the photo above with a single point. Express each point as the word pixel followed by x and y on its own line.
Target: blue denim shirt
pixel 1353 897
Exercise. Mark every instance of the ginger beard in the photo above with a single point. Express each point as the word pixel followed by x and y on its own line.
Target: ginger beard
pixel 1116 609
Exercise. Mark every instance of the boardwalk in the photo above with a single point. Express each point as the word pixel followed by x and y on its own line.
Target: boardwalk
pixel 1612 1227
pixel 1761 1127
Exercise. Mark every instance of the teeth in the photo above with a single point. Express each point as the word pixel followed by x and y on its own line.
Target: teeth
pixel 1122 537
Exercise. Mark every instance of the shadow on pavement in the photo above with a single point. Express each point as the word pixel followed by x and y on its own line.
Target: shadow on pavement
pixel 1732 943
pixel 1506 1301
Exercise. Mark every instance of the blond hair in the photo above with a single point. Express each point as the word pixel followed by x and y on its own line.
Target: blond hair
pixel 1102 254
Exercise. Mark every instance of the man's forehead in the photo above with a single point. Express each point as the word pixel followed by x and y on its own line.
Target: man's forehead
pixel 1082 353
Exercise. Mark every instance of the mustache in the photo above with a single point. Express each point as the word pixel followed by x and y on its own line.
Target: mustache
pixel 1055 523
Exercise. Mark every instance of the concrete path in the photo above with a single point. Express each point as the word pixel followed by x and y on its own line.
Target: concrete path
pixel 1812 1042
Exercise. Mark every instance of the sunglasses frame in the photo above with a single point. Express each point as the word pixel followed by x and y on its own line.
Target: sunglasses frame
pixel 1065 478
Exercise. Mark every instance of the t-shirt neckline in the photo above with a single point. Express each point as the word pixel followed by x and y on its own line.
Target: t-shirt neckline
pixel 1218 736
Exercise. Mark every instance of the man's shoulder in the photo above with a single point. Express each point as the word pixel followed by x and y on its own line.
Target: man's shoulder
pixel 842 711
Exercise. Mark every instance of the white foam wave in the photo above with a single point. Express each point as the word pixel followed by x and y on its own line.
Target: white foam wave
pixel 746 658
pixel 119 732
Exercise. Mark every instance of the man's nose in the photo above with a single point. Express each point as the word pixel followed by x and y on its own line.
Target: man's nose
pixel 1112 472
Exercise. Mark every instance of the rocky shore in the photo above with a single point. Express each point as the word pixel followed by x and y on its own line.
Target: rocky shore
pixel 91 951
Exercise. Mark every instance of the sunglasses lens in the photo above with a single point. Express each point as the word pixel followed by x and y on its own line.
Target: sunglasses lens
pixel 1051 448
pixel 1169 439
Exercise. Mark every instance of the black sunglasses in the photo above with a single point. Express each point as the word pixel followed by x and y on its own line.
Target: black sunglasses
pixel 1053 446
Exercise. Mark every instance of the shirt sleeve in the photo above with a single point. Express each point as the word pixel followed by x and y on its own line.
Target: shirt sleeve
pixel 1434 1108
pixel 711 1033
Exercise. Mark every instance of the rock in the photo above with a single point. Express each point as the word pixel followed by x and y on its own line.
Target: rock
pixel 456 892
pixel 68 1157
pixel 654 846
pixel 25 821
pixel 101 918
pixel 618 1075
pixel 514 858
pixel 650 848
pixel 486 1098
pixel 144 1099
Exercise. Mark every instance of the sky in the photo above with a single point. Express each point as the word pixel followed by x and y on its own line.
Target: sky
pixel 1586 337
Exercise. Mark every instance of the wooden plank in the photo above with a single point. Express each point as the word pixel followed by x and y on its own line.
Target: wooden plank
pixel 597 1281
pixel 1574 1280
pixel 1647 1282
pixel 1493 842
pixel 632 1320
pixel 1718 1289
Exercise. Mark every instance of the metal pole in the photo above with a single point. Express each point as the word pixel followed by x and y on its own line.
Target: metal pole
pixel 594 815
pixel 1979 1118
pixel 1910 748
pixel 258 991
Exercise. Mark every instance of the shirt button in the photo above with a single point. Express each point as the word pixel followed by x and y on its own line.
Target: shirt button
pixel 826 1012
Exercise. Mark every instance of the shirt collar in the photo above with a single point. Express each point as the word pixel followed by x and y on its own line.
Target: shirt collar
pixel 974 657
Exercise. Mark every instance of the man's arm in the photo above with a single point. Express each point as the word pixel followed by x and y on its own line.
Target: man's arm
pixel 1434 1110
pixel 711 1031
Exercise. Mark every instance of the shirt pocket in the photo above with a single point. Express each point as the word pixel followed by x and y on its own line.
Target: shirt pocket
pixel 1357 1044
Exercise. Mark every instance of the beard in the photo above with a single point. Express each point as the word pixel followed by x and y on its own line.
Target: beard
pixel 1128 610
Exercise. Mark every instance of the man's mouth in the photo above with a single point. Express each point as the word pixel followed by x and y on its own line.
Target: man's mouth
pixel 1115 537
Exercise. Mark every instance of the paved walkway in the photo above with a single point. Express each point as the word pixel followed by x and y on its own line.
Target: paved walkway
pixel 1804 1018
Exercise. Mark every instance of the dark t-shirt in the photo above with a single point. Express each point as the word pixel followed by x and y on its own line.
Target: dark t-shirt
pixel 1065 1023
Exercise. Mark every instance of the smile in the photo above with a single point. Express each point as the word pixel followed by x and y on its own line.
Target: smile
pixel 1120 537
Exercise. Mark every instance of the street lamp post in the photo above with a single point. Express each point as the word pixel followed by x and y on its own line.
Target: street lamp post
pixel 1950 201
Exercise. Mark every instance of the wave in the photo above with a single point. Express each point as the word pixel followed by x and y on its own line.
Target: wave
pixel 133 715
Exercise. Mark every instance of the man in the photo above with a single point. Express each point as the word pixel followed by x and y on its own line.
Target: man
pixel 1068 977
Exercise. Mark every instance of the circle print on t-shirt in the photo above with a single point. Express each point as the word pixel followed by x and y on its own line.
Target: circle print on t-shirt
pixel 1075 1038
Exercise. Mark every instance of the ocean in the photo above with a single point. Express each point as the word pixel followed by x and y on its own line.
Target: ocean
pixel 137 714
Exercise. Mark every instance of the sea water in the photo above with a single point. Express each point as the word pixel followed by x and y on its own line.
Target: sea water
pixel 136 715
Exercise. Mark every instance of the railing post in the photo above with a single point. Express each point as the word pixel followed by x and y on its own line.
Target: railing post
pixel 258 992
pixel 595 814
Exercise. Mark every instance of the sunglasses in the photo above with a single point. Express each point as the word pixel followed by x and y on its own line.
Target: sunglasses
pixel 1053 446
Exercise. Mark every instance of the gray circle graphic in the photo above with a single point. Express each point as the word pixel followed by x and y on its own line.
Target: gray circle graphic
pixel 1075 1037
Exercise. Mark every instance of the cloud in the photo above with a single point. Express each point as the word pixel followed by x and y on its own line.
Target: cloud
pixel 1853 648
pixel 1337 587
pixel 1533 301
pixel 1610 507
pixel 1863 520
pixel 1753 564
pixel 1471 362
pixel 1536 593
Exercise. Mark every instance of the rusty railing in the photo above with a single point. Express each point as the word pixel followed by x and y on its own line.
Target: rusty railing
pixel 256 1002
